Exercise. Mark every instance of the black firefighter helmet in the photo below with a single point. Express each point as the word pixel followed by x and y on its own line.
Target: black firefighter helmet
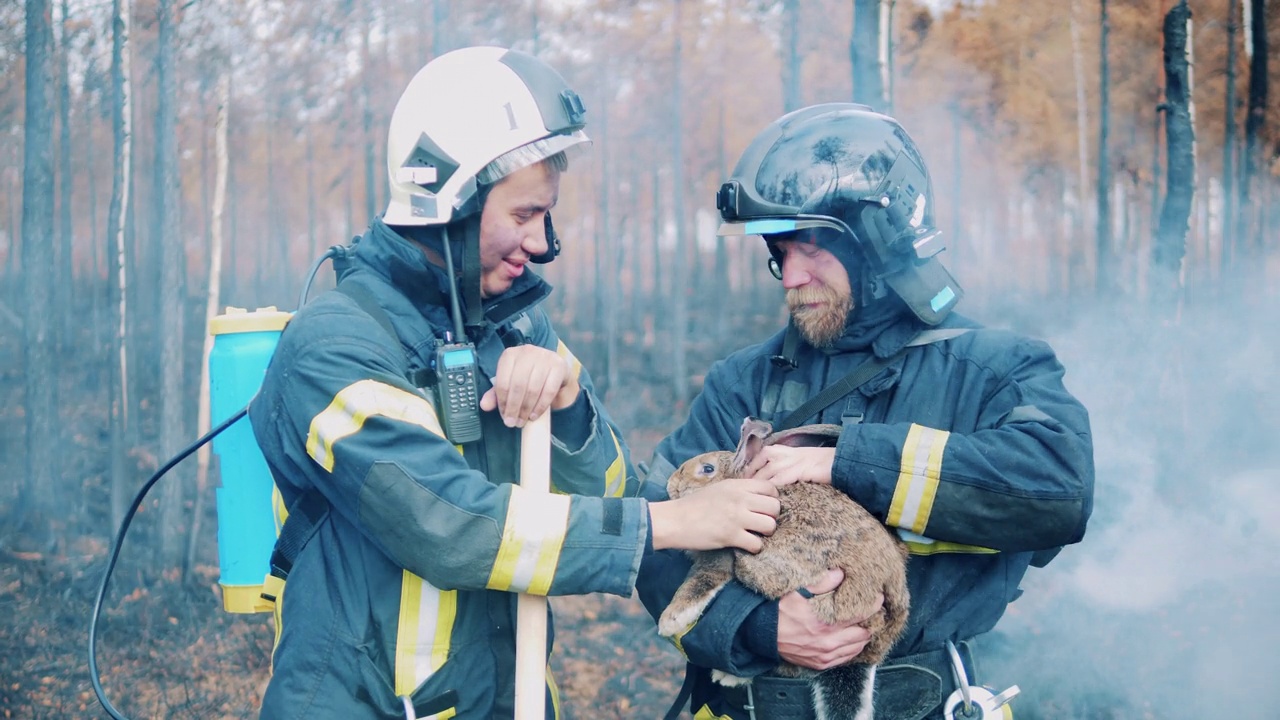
pixel 856 180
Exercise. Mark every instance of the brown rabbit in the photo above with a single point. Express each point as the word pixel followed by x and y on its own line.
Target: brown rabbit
pixel 819 528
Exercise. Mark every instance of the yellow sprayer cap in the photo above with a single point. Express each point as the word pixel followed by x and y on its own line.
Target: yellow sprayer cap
pixel 240 320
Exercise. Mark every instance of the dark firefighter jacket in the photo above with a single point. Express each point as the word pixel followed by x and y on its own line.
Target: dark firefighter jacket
pixel 970 447
pixel 409 585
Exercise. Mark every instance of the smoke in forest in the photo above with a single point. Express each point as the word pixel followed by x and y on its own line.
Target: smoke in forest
pixel 1167 608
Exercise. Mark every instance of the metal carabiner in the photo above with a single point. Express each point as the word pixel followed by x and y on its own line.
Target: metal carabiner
pixel 961 676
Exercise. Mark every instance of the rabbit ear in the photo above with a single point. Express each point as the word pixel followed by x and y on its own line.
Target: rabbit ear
pixel 753 437
pixel 807 436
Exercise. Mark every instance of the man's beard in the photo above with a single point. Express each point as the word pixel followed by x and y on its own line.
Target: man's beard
pixel 819 326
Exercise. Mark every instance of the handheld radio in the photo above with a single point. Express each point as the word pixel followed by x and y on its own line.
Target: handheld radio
pixel 456 371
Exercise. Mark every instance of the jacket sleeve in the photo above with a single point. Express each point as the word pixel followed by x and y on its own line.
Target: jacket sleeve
pixel 373 446
pixel 1022 480
pixel 721 638
pixel 589 456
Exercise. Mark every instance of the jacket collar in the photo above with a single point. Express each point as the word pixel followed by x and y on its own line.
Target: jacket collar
pixel 884 327
pixel 399 262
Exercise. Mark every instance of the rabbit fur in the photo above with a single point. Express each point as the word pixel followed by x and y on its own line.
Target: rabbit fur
pixel 819 527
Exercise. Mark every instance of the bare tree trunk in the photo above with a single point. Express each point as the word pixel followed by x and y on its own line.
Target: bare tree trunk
pixel 212 304
pixel 1082 149
pixel 1171 237
pixel 865 54
pixel 65 273
pixel 1229 260
pixel 37 499
pixel 722 287
pixel 1256 46
pixel 658 298
pixel 168 236
pixel 791 58
pixel 440 17
pixel 606 280
pixel 118 213
pixel 1105 259
pixel 885 53
pixel 366 114
pixel 680 280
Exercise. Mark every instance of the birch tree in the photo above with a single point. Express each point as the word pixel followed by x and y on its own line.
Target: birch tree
pixel 212 299
pixel 117 215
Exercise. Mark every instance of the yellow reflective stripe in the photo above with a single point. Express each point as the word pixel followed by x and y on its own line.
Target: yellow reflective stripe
pixel 918 478
pixel 938 547
pixel 531 540
pixel 278 508
pixel 575 367
pixel 615 478
pixel 706 713
pixel 423 634
pixel 678 639
pixel 358 402
pixel 555 692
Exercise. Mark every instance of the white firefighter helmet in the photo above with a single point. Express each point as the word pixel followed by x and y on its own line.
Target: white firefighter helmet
pixel 474 115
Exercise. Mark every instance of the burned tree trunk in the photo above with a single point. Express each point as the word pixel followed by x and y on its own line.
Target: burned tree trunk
pixel 1229 259
pixel 37 499
pixel 1171 236
pixel 1256 32
pixel 679 338
pixel 791 59
pixel 868 53
pixel 168 233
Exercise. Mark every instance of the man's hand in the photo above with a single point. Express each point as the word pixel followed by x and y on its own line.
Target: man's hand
pixel 782 465
pixel 804 640
pixel 720 515
pixel 529 380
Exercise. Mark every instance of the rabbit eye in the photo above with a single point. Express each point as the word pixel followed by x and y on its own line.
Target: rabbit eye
pixel 708 468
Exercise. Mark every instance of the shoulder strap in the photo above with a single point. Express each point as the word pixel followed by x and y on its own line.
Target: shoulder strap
pixel 859 376
pixel 304 519
pixel 368 303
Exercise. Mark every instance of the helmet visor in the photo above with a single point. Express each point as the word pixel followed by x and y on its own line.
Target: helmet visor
pixel 777 225
pixel 528 154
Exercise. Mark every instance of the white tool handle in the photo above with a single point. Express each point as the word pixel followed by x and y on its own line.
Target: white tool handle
pixel 531 610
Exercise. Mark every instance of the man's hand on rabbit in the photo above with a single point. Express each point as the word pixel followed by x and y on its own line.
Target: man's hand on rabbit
pixel 783 465
pixel 720 515
pixel 805 640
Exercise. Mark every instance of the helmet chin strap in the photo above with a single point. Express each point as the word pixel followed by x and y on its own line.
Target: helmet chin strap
pixel 471 271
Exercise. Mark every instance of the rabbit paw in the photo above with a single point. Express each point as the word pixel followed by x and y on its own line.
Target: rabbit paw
pixel 728 680
pixel 676 620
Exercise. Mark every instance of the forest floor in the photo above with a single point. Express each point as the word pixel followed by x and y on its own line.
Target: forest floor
pixel 169 651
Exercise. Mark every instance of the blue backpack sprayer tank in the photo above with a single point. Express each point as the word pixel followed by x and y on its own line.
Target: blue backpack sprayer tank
pixel 250 510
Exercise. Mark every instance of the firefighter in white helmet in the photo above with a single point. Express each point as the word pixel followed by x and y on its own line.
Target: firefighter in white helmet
pixel 391 413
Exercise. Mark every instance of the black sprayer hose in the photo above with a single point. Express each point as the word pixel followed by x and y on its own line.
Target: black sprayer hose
pixel 115 553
